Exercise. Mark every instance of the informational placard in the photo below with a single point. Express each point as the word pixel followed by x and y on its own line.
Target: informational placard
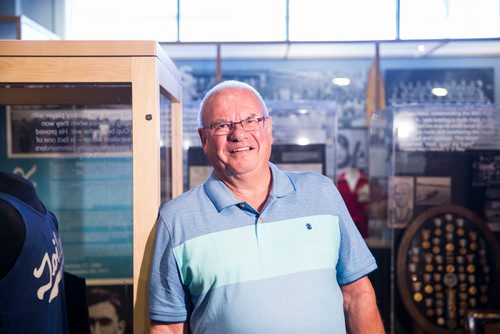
pixel 300 157
pixel 447 129
pixel 92 199
pixel 69 132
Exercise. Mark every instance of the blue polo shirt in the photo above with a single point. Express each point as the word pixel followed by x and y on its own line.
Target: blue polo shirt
pixel 226 268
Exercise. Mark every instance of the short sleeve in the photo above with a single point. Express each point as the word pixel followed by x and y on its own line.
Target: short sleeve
pixel 168 299
pixel 355 259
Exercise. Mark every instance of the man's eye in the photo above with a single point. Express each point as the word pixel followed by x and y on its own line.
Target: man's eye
pixel 221 126
pixel 251 121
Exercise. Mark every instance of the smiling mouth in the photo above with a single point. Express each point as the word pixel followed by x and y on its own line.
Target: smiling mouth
pixel 241 149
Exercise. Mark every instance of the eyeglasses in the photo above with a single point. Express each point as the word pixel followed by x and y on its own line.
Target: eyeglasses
pixel 225 128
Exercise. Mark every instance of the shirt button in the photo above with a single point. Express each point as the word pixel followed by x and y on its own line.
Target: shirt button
pixel 242 205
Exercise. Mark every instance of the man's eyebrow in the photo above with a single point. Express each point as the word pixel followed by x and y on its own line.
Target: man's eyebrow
pixel 219 120
pixel 223 120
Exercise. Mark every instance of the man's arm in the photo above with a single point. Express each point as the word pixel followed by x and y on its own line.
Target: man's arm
pixel 360 307
pixel 170 328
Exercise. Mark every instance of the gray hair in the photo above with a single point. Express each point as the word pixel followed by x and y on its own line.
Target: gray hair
pixel 228 84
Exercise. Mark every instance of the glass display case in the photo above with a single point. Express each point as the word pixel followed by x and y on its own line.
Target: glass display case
pixel 304 135
pixel 97 127
pixel 435 180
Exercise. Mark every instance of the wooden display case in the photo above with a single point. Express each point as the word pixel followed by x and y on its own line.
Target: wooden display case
pixel 137 73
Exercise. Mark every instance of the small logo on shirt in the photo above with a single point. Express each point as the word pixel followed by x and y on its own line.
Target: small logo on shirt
pixel 309 226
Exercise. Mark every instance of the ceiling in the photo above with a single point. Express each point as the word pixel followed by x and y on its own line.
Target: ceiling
pixel 319 50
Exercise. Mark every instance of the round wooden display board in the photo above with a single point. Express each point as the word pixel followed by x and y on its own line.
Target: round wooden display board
pixel 447 263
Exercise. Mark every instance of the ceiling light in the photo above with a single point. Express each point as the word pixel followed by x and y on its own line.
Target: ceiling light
pixel 303 111
pixel 302 141
pixel 341 81
pixel 439 91
pixel 405 125
pixel 421 48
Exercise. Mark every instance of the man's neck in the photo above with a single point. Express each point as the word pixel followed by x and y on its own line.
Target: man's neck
pixel 251 189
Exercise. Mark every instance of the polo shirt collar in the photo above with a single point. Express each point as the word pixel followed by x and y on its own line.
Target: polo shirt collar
pixel 222 197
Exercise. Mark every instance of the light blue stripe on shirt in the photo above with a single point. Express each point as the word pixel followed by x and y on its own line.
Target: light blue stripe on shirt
pixel 251 253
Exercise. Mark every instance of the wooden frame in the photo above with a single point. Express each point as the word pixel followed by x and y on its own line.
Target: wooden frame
pixel 150 72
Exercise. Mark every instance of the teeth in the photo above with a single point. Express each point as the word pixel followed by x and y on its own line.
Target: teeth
pixel 241 149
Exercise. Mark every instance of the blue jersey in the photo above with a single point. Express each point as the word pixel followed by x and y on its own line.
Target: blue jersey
pixel 227 268
pixel 32 293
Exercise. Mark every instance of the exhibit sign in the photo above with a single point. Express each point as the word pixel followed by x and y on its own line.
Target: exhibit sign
pixel 70 132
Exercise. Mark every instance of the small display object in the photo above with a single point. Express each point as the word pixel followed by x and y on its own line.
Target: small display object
pixel 483 321
pixel 447 264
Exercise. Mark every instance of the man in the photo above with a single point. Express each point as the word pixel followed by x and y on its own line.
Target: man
pixel 255 249
pixel 105 312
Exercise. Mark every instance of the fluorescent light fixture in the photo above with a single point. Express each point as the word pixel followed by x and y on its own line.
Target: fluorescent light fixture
pixel 303 111
pixel 341 81
pixel 439 91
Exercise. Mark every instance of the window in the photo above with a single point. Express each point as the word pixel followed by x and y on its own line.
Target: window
pixel 232 20
pixel 435 19
pixel 121 19
pixel 340 20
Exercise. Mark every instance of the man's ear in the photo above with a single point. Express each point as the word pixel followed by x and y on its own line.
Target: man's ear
pixel 202 135
pixel 203 138
pixel 269 125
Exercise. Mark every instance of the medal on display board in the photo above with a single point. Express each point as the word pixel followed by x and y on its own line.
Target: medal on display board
pixel 446 276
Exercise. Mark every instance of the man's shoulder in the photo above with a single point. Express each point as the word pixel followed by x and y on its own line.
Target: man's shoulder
pixel 306 177
pixel 186 200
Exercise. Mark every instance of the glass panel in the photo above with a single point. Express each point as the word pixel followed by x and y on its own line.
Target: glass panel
pixel 95 19
pixel 74 142
pixel 319 20
pixel 8 30
pixel 439 164
pixel 304 136
pixel 449 19
pixel 232 20
pixel 304 139
pixel 166 148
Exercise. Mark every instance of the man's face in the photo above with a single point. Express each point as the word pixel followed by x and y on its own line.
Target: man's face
pixel 402 194
pixel 239 152
pixel 105 320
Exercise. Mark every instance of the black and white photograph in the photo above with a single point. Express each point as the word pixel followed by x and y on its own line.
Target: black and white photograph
pixel 110 309
pixel 401 200
pixel 433 191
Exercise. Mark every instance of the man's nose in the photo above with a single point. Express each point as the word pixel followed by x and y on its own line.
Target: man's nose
pixel 96 329
pixel 237 130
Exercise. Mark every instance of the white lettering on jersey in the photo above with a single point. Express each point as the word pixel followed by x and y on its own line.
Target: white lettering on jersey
pixel 51 263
